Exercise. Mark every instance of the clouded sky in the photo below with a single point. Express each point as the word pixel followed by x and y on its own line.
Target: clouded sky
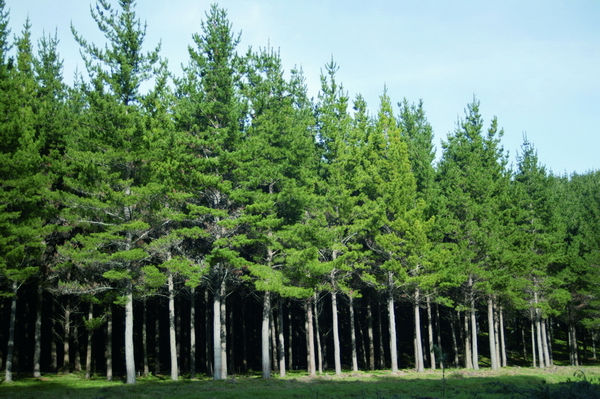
pixel 535 64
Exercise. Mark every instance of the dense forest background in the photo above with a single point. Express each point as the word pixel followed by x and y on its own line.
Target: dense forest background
pixel 216 220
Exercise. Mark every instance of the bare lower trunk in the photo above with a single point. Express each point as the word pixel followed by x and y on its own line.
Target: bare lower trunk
pixel 353 336
pixel 157 346
pixel 67 338
pixel 8 371
pixel 209 337
pixel 370 335
pixel 37 351
pixel 336 335
pixel 418 341
pixel 540 349
pixel 468 359
pixel 318 334
pixel 545 343
pixel 265 335
pixel 380 336
pixel 172 332
pixel 146 365
pixel 77 360
pixel 533 349
pixel 524 341
pixel 393 342
pixel 454 342
pixel 492 339
pixel 290 339
pixel 244 340
pixel 280 340
pixel 193 333
pixel 273 329
pixel 53 348
pixel 129 355
pixel 217 370
pixel 475 350
pixel 430 333
pixel 502 338
pixel 312 369
pixel 108 349
pixel 90 335
pixel 223 334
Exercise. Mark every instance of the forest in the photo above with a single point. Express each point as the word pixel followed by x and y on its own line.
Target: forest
pixel 215 220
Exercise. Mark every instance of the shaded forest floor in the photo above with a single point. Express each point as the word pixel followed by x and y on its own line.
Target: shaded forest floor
pixel 511 382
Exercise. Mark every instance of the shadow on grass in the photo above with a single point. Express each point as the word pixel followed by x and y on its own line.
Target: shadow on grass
pixel 508 383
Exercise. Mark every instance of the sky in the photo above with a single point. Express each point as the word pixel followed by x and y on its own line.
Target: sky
pixel 533 64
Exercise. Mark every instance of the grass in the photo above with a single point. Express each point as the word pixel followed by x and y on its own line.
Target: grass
pixel 470 384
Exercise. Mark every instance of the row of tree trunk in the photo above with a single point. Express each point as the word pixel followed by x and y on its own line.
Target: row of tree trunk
pixel 291 336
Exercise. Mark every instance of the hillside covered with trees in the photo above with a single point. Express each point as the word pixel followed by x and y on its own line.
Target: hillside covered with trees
pixel 216 220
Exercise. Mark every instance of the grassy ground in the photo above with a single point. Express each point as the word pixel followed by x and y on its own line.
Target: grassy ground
pixel 505 383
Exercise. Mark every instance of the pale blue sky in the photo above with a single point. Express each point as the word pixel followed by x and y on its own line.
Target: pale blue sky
pixel 533 64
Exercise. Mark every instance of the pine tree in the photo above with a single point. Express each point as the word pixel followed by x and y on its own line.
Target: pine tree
pixel 277 149
pixel 397 225
pixel 472 180
pixel 210 114
pixel 24 187
pixel 341 163
pixel 112 198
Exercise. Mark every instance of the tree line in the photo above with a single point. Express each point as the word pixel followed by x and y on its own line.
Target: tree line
pixel 219 220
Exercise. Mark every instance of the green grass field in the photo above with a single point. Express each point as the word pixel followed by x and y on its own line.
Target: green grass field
pixel 506 383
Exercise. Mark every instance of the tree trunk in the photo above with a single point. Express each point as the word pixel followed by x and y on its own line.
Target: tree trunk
pixel 229 334
pixel 129 354
pixel 573 344
pixel 370 334
pixel 156 345
pixel 146 365
pixel 90 335
pixel 53 347
pixel 430 333
pixel 502 338
pixel 223 333
pixel 281 341
pixel 77 362
pixel 244 340
pixel 217 369
pixel 37 351
pixel 454 342
pixel 492 339
pixel 540 349
pixel 108 349
pixel 209 337
pixel 336 335
pixel 418 341
pixel 193 333
pixel 67 338
pixel 353 336
pixel 172 333
pixel 273 329
pixel 380 336
pixel 290 339
pixel 524 341
pixel 475 350
pixel 533 349
pixel 318 334
pixel 393 342
pixel 11 334
pixel 310 338
pixel 265 336
pixel 467 339
pixel 545 343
